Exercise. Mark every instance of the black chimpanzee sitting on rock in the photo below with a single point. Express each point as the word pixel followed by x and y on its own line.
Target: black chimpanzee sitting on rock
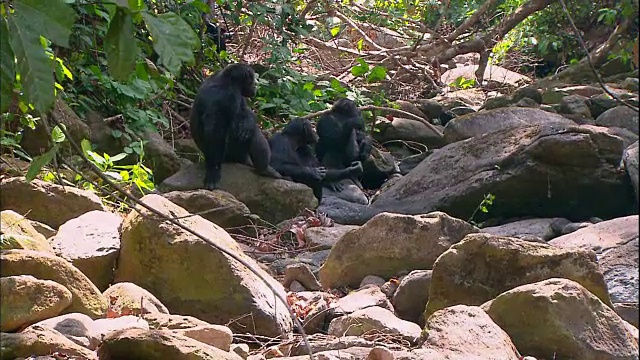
pixel 225 128
pixel 292 156
pixel 343 141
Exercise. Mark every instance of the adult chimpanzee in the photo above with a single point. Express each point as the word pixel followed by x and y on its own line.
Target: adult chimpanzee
pixel 292 156
pixel 224 127
pixel 342 139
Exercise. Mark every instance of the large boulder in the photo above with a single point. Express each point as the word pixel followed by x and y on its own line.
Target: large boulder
pixel 412 295
pixel 408 130
pixel 484 122
pixel 46 202
pixel 86 298
pixel 91 243
pixel 194 278
pixel 506 263
pixel 537 171
pixel 492 73
pixel 376 319
pixel 273 200
pixel 26 300
pixel 391 243
pixel 539 228
pixel 466 332
pixel 559 318
pixel 217 206
pixel 622 117
pixel 630 158
pixel 37 340
pixel 160 156
pixel 129 297
pixel 19 233
pixel 158 345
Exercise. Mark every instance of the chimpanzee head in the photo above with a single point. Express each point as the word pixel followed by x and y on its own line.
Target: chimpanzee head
pixel 302 130
pixel 242 76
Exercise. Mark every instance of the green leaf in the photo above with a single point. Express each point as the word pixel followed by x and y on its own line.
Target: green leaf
pixel 335 31
pixel 57 135
pixel 7 68
pixel 52 19
pixel 173 39
pixel 39 162
pixel 86 146
pixel 118 157
pixel 378 73
pixel 34 65
pixel 121 46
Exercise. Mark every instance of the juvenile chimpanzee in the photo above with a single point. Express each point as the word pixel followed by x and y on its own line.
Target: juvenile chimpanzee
pixel 224 127
pixel 219 35
pixel 292 156
pixel 342 139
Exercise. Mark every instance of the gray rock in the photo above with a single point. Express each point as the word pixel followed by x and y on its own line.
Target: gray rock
pixel 575 105
pixel 631 159
pixel 497 102
pixel 540 228
pixel 620 116
pixel 412 295
pixel 528 92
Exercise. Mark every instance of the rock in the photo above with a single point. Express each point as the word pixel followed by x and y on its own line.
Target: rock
pixel 320 304
pixel 628 312
pixel 497 102
pixel 39 340
pixel 78 328
pixel 378 168
pixel 631 84
pixel 345 212
pixel 528 103
pixel 376 319
pixel 46 202
pixel 229 211
pixel 274 200
pixel 409 163
pixel 296 286
pixel 412 295
pixel 558 225
pixel 91 243
pixel 507 263
pixel 241 349
pixel 390 243
pixel 103 327
pixel 466 332
pixel 630 159
pixel 172 322
pixel 86 298
pixel 323 237
pixel 351 192
pixel 601 103
pixel 215 335
pixel 128 297
pixel 462 110
pixel 187 149
pixel 534 227
pixel 575 105
pixel 602 236
pixel 160 156
pixel 372 280
pixel 620 269
pixel 19 233
pixel 431 108
pixel 560 318
pixel 620 116
pixel 44 229
pixel 492 73
pixel 571 227
pixel 162 258
pixel 412 109
pixel 389 288
pixel 530 92
pixel 408 130
pixel 301 273
pixel 488 121
pixel 380 353
pixel 158 345
pixel 566 162
pixel 627 136
pixel 369 296
pixel 26 300
pixel 36 142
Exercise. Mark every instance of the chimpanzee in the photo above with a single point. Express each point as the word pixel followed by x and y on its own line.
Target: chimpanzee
pixel 342 139
pixel 219 36
pixel 225 128
pixel 292 156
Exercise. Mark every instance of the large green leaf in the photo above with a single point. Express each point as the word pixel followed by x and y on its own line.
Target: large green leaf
pixel 39 162
pixel 50 18
pixel 120 45
pixel 34 66
pixel 7 68
pixel 173 39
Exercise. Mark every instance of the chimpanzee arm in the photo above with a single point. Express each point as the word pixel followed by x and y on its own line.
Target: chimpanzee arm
pixel 365 145
pixel 288 161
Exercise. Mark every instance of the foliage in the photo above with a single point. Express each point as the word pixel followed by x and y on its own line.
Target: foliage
pixel 484 206
pixel 463 83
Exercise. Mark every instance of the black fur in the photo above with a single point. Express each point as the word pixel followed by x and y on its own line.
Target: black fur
pixel 218 35
pixel 224 127
pixel 292 156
